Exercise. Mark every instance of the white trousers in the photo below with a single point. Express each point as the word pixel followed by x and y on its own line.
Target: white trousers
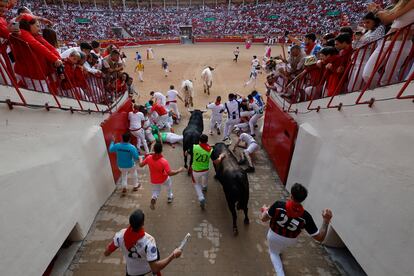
pixel 156 188
pixel 140 135
pixel 253 120
pixel 246 113
pixel 174 107
pixel 149 136
pixel 173 138
pixel 369 67
pixel 200 180
pixel 141 75
pixel 229 125
pixel 163 122
pixel 251 148
pixel 124 177
pixel 215 122
pixel 277 244
pixel 242 126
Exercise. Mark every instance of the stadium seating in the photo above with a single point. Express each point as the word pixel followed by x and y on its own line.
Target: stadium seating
pixel 299 17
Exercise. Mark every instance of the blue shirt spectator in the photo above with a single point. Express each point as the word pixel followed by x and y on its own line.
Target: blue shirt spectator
pixel 126 153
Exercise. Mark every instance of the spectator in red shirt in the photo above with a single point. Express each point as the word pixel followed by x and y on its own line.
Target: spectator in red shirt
pixel 330 60
pixel 121 83
pixel 313 82
pixel 4 33
pixel 35 65
pixel 160 173
pixel 70 64
pixel 343 43
pixel 4 30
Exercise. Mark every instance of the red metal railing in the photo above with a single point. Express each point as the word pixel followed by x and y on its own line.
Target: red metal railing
pixel 85 87
pixel 390 57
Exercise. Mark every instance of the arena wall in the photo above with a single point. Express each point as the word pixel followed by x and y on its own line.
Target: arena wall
pixel 358 162
pixel 116 125
pixel 55 175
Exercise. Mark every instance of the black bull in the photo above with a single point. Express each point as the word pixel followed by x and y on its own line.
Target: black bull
pixel 234 181
pixel 191 134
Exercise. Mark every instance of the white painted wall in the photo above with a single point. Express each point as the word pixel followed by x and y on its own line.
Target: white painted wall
pixel 359 162
pixel 54 174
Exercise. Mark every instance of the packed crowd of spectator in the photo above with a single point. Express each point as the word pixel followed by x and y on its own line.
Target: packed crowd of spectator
pixel 299 17
pixel 321 67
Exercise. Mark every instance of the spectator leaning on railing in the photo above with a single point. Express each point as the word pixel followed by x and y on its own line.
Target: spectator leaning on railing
pixel 41 62
pixel 374 30
pixel 401 15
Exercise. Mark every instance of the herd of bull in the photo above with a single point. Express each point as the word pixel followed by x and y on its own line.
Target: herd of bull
pixel 232 177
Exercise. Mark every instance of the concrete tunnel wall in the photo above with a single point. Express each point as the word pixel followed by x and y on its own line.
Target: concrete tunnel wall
pixel 55 174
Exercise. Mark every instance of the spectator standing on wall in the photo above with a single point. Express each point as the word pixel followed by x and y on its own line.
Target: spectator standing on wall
pixel 287 219
pixel 44 55
pixel 126 155
pixel 400 16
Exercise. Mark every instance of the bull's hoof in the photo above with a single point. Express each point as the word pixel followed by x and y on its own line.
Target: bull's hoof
pixel 235 231
pixel 186 166
pixel 246 221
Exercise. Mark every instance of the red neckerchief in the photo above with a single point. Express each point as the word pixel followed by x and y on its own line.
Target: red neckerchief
pixel 205 147
pixel 217 103
pixel 309 48
pixel 157 156
pixel 131 237
pixel 294 209
pixel 251 101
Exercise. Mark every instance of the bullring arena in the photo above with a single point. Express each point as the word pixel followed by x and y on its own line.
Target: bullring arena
pixel 318 169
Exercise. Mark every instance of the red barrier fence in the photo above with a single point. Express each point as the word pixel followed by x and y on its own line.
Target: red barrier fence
pixel 72 81
pixel 226 39
pixel 278 138
pixel 379 63
pixel 120 43
pixel 114 127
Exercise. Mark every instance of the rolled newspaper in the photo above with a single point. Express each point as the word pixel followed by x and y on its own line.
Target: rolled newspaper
pixel 184 241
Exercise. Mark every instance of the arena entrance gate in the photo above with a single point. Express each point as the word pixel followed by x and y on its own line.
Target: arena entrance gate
pixel 186 34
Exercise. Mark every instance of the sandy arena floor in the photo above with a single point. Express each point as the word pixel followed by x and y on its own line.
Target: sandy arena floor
pixel 188 61
pixel 212 250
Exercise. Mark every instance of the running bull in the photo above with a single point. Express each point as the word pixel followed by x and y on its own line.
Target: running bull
pixel 234 181
pixel 191 135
